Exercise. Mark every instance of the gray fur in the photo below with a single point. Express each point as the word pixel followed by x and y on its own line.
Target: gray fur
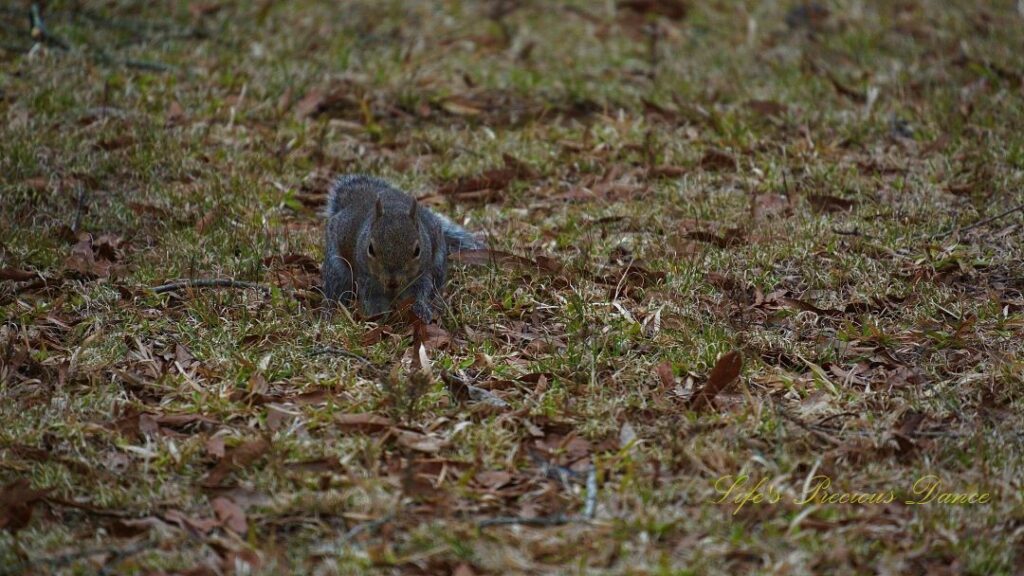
pixel 381 249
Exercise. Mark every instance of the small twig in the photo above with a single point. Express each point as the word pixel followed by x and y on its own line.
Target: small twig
pixel 988 220
pixel 79 206
pixel 208 283
pixel 40 32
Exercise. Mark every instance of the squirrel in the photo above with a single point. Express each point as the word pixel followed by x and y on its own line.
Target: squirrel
pixel 382 249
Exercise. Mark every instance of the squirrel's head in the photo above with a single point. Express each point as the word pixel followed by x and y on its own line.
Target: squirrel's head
pixel 393 250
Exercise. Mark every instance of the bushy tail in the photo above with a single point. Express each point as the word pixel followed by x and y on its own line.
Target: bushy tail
pixel 347 184
pixel 458 238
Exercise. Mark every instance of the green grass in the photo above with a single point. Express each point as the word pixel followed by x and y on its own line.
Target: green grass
pixel 208 169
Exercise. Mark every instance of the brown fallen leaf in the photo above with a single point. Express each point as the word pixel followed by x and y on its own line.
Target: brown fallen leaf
pixel 732 237
pixel 215 446
pixel 671 9
pixel 716 160
pixel 16 502
pixel 808 307
pixel 462 392
pixel 768 108
pixel 419 442
pixel 230 515
pixel 662 171
pixel 364 422
pixel 493 479
pixel 16 275
pixel 726 370
pixel 665 375
pixel 827 203
pixel 430 336
pixel 197 525
pixel 461 106
pixel 207 220
pixel 235 459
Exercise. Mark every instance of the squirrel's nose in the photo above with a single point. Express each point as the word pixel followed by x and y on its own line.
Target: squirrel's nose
pixel 392 284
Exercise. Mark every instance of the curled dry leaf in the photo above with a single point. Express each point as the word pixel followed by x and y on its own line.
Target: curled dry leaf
pixel 493 479
pixel 237 458
pixel 726 370
pixel 419 442
pixel 717 160
pixel 230 515
pixel 366 422
pixel 16 275
pixel 16 502
pixel 769 108
pixel 665 375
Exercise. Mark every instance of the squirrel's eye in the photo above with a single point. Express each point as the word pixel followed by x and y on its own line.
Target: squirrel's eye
pixel 370 251
pixel 416 250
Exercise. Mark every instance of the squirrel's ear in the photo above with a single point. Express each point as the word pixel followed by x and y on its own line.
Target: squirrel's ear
pixel 412 211
pixel 380 208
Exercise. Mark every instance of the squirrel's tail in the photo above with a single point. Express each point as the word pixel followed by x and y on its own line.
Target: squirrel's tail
pixel 346 184
pixel 458 238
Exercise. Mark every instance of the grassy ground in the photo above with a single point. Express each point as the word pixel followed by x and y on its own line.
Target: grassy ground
pixel 790 182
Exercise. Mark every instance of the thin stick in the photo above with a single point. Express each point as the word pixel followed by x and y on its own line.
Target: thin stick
pixel 79 206
pixel 40 31
pixel 208 283
pixel 980 222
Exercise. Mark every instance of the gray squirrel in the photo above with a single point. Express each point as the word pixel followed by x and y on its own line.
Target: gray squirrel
pixel 383 249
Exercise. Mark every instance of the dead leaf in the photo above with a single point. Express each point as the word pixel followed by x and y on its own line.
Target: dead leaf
pixel 419 442
pixel 206 221
pixel 236 459
pixel 810 15
pixel 215 446
pixel 230 515
pixel 717 160
pixel 808 307
pixel 16 502
pixel 768 108
pixel 461 106
pixel 430 336
pixel 732 237
pixel 16 275
pixel 726 370
pixel 175 114
pixel 199 525
pixel 665 375
pixel 662 171
pixel 364 422
pixel 492 479
pixel 671 9
pixel 827 203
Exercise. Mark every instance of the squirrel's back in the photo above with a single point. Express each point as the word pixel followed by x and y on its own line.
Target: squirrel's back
pixel 358 189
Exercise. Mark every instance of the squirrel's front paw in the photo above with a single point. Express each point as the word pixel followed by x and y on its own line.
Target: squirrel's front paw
pixel 423 311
